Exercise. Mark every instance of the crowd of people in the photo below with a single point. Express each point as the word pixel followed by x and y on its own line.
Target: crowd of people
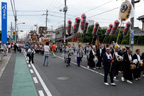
pixel 113 59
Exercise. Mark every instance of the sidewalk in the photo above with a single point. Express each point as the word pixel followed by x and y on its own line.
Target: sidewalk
pixel 3 62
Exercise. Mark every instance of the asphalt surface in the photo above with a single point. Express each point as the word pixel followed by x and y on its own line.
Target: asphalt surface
pixel 71 81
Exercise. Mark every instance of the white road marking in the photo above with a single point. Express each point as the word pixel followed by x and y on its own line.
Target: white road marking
pixel 86 68
pixel 35 80
pixel 29 65
pixel 31 71
pixel 41 93
pixel 41 81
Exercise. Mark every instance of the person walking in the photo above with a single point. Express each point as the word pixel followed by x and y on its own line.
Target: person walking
pixel 53 49
pixel 31 53
pixel 80 53
pixel 9 47
pixel 4 49
pixel 92 55
pixel 46 53
pixel 127 72
pixel 15 47
pixel 108 68
pixel 69 53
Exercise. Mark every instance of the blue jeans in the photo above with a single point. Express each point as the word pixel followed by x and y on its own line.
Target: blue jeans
pixel 4 52
pixel 45 57
pixel 78 60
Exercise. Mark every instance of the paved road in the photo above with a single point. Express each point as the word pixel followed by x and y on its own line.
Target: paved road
pixel 58 80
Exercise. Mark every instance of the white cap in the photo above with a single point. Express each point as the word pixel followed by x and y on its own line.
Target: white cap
pixel 107 48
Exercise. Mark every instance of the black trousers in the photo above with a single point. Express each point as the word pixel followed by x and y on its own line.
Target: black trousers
pixel 127 74
pixel 99 62
pixel 106 72
pixel 137 72
pixel 68 61
pixel 31 58
pixel 116 68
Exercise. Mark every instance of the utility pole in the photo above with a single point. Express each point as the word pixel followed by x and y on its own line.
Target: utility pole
pixel 15 28
pixel 11 29
pixel 132 27
pixel 46 18
pixel 65 10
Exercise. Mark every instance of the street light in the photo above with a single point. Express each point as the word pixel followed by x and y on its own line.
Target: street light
pixel 65 10
pixel 20 23
pixel 17 30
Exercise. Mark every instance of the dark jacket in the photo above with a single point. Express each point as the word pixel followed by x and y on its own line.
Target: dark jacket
pixel 98 53
pixel 126 61
pixel 106 62
pixel 142 56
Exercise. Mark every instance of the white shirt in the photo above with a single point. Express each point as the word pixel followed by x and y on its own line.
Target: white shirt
pixel 138 57
pixel 93 52
pixel 31 50
pixel 46 49
pixel 109 56
pixel 100 51
pixel 130 57
pixel 9 46
pixel 116 54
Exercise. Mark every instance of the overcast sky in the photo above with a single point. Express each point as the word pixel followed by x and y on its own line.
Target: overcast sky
pixel 31 12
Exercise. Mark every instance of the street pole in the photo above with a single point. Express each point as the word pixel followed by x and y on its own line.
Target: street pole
pixel 65 10
pixel 46 18
pixel 11 29
pixel 15 28
pixel 132 27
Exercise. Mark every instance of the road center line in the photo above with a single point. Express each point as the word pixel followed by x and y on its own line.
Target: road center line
pixel 85 67
pixel 41 81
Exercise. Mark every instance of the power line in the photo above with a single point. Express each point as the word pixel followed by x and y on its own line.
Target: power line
pixel 56 3
pixel 14 5
pixel 12 8
pixel 95 7
pixel 98 6
pixel 52 4
pixel 36 11
pixel 103 12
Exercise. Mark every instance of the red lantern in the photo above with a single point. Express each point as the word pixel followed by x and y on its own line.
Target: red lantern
pixel 76 25
pixel 127 28
pixel 83 21
pixel 114 29
pixel 86 27
pixel 69 27
pixel 110 26
pixel 116 23
pixel 109 30
pixel 95 30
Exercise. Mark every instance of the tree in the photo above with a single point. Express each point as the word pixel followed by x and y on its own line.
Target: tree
pixel 140 40
pixel 125 40
pixel 122 39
